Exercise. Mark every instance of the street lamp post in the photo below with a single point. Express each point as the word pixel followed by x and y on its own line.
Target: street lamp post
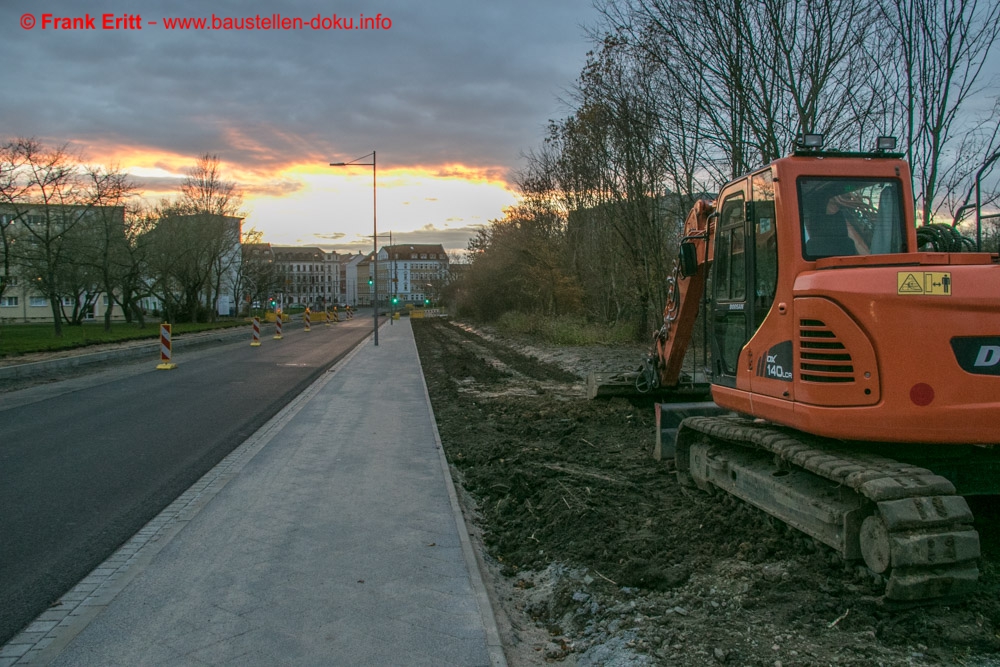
pixel 357 162
pixel 392 281
pixel 388 282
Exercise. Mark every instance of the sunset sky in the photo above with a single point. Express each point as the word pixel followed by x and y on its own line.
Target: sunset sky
pixel 448 93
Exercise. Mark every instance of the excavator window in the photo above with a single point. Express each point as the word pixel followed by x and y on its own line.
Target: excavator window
pixel 730 252
pixel 848 216
pixel 729 286
pixel 765 265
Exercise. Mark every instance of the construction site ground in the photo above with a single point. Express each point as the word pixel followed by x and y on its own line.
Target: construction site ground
pixel 596 556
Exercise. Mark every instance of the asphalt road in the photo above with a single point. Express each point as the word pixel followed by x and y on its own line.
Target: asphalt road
pixel 85 463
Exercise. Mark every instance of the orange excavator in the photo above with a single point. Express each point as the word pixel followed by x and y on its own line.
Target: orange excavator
pixel 857 380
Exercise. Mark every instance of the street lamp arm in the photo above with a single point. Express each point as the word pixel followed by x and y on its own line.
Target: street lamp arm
pixel 355 161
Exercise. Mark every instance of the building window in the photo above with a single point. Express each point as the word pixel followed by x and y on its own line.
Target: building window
pixel 8 301
pixel 37 301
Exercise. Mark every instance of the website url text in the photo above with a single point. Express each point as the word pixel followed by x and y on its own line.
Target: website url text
pixel 48 21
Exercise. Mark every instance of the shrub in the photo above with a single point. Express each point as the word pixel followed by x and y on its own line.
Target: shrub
pixel 565 330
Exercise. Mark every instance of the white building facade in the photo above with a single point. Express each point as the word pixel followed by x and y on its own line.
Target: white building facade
pixel 412 273
pixel 308 276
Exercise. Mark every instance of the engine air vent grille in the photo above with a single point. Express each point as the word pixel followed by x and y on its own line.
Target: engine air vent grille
pixel 822 355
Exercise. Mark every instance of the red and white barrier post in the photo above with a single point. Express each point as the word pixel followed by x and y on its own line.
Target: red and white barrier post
pixel 305 318
pixel 277 328
pixel 327 312
pixel 166 349
pixel 255 342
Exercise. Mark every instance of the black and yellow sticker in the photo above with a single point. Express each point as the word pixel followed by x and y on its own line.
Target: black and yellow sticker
pixel 928 283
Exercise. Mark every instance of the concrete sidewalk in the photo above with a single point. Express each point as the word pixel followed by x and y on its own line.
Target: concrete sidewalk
pixel 332 537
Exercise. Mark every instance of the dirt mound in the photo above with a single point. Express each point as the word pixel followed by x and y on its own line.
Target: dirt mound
pixel 601 558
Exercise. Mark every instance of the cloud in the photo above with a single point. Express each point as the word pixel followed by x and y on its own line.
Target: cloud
pixel 451 95
pixel 452 239
pixel 454 82
pixel 156 185
pixel 274 188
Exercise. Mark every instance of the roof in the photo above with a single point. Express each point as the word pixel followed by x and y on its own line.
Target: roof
pixel 297 253
pixel 415 250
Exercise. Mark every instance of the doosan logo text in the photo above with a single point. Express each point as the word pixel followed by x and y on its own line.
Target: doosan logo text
pixel 989 355
pixel 979 355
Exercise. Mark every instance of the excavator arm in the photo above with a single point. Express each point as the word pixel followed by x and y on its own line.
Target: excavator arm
pixel 685 292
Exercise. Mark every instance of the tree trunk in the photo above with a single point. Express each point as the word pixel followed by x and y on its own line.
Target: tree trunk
pixel 56 315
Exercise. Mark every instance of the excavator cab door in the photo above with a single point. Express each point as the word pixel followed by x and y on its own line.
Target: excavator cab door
pixel 731 316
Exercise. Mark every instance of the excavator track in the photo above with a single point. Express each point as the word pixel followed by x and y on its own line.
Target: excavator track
pixel 905 522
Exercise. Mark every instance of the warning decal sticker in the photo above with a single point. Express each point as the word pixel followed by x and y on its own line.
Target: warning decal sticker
pixel 931 283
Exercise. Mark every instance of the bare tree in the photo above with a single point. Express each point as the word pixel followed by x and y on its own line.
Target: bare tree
pixel 131 264
pixel 943 47
pixel 46 199
pixel 215 202
pixel 256 275
pixel 194 244
pixel 759 73
pixel 8 185
pixel 179 261
pixel 517 263
pixel 107 239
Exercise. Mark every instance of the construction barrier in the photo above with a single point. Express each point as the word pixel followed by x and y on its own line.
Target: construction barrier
pixel 327 317
pixel 277 329
pixel 255 342
pixel 305 318
pixel 166 349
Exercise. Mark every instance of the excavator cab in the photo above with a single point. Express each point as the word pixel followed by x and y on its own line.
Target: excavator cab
pixel 818 217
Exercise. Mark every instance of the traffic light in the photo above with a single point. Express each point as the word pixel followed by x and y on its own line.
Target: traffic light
pixel 371 282
pixel 395 300
pixel 427 302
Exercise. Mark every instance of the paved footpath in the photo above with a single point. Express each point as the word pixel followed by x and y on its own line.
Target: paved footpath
pixel 332 537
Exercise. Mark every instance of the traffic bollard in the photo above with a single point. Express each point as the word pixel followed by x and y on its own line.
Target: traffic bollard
pixel 255 342
pixel 166 349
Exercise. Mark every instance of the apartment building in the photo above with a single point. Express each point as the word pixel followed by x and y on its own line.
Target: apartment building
pixel 54 240
pixel 411 273
pixel 308 276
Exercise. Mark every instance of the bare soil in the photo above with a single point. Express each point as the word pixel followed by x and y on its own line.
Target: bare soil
pixel 596 556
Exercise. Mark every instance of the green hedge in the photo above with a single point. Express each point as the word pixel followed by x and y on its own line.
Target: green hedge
pixel 16 338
